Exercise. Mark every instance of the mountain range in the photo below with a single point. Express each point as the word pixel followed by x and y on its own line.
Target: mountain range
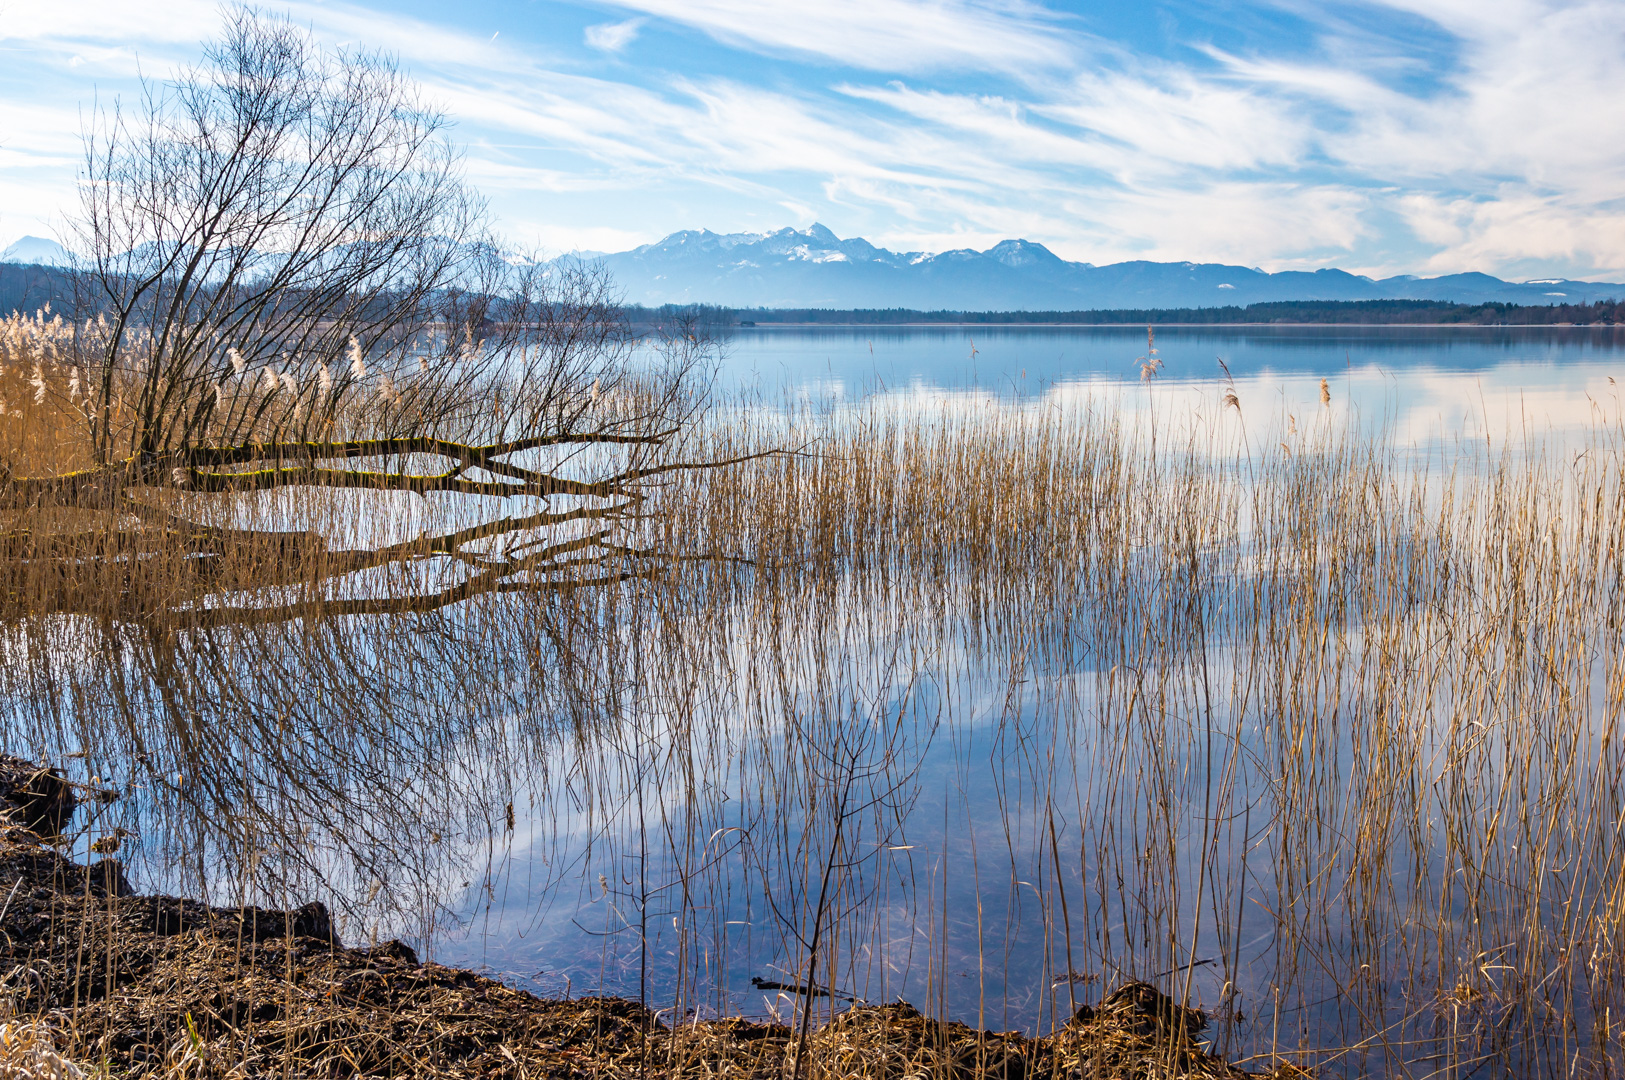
pixel 813 268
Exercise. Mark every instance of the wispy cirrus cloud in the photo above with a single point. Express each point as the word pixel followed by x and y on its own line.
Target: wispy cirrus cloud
pixel 1253 157
pixel 1402 135
pixel 883 35
pixel 612 37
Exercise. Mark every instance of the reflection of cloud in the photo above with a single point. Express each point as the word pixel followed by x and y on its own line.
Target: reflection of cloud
pixel 1408 409
pixel 612 37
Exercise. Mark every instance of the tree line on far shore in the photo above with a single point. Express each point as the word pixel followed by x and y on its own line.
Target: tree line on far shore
pixel 26 288
pixel 1371 312
pixel 1413 312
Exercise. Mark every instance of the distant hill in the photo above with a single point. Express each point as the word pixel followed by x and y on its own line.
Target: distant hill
pixel 813 268
pixel 36 251
pixel 813 276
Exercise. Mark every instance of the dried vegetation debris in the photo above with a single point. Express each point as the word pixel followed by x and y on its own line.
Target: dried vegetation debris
pixel 160 986
pixel 37 798
pixel 28 1051
pixel 1137 1034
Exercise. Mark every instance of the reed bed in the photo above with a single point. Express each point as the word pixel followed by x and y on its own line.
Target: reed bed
pixel 1339 719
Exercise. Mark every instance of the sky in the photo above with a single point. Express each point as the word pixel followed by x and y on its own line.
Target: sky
pixel 1409 136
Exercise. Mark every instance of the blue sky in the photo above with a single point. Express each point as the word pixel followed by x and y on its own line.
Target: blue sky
pixel 1416 136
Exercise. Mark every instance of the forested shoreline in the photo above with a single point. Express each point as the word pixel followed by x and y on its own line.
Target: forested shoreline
pixel 1372 312
pixel 26 288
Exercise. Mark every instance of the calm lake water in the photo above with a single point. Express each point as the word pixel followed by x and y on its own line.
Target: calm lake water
pixel 976 889
pixel 1418 384
pixel 1006 358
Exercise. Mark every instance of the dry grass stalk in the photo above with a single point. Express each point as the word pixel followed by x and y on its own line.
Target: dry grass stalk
pixel 170 988
pixel 29 1050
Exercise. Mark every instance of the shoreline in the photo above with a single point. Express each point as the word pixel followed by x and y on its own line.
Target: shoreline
pixel 120 984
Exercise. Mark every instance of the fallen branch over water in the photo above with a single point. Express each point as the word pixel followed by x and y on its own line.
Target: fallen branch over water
pixel 797 988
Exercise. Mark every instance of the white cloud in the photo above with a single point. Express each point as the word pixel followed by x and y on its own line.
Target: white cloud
pixel 1280 225
pixel 982 121
pixel 560 239
pixel 1516 229
pixel 613 37
pixel 175 21
pixel 885 35
pixel 1164 162
pixel 1163 115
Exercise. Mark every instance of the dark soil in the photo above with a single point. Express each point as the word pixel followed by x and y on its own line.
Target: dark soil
pixel 154 985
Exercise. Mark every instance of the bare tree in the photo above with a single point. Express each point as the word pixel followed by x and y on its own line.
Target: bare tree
pixel 288 286
pixel 312 488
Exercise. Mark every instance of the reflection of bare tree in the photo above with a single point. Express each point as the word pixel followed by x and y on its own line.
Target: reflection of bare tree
pixel 306 502
pixel 287 288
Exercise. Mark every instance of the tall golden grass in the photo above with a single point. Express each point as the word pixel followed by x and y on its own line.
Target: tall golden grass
pixel 1362 701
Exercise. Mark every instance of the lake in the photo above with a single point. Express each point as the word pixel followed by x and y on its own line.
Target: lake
pixel 1045 662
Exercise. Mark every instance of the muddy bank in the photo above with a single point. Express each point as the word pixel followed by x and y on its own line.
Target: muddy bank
pixel 156 985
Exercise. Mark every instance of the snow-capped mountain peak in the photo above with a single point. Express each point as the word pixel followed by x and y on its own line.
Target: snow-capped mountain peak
pixel 813 267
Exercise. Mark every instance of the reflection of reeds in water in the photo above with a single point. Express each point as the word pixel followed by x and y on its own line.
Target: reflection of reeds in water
pixel 953 684
pixel 1355 708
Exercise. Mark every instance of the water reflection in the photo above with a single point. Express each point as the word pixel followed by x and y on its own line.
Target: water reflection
pixel 1424 387
pixel 1338 775
pixel 1030 358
